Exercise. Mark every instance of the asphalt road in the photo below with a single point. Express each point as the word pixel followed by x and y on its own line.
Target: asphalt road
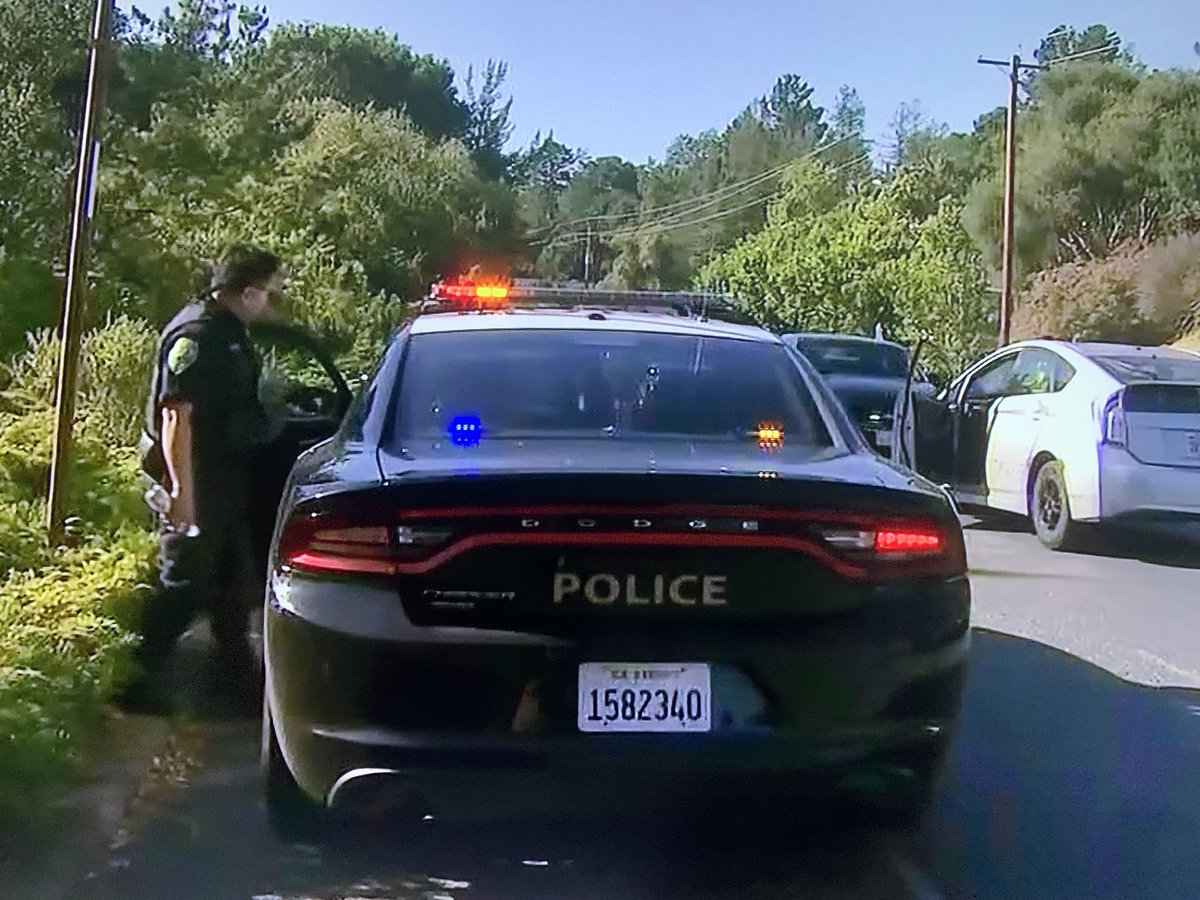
pixel 1070 779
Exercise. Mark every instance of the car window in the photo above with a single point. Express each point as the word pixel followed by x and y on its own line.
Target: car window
pixel 531 384
pixel 1063 373
pixel 1037 371
pixel 832 356
pixel 294 377
pixel 994 380
pixel 1134 369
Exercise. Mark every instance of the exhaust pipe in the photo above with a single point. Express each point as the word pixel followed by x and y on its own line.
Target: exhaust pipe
pixel 372 793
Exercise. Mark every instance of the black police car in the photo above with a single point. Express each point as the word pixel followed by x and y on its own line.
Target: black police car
pixel 598 547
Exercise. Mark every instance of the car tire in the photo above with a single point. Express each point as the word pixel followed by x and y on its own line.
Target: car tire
pixel 295 817
pixel 1050 509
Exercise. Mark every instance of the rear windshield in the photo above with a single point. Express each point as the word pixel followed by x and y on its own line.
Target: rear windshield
pixel 1135 369
pixel 834 357
pixel 1163 398
pixel 602 384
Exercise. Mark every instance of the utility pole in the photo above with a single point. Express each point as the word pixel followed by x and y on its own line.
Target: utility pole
pixel 1015 67
pixel 99 58
pixel 587 258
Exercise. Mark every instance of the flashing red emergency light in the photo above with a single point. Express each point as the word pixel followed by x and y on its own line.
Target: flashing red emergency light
pixel 474 295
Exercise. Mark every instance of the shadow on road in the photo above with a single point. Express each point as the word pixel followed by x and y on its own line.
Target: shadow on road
pixel 1177 546
pixel 1065 782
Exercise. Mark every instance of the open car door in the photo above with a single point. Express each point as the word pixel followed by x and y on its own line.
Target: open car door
pixel 925 438
pixel 307 398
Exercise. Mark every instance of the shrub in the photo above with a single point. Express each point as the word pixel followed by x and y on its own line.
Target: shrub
pixel 68 615
pixel 66 633
pixel 1139 294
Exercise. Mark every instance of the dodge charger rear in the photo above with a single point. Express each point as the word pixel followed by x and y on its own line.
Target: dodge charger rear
pixel 572 553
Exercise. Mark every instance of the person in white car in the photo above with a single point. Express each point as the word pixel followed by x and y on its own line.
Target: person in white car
pixel 1068 434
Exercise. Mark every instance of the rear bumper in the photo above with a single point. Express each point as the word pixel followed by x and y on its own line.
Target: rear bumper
pixel 1135 490
pixel 356 691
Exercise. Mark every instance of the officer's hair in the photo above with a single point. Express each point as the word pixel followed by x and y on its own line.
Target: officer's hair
pixel 244 266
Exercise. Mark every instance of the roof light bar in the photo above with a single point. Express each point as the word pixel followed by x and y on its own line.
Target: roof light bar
pixel 468 296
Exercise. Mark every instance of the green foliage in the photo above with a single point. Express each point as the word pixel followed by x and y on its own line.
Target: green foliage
pixel 104 489
pixel 837 259
pixel 359 68
pixel 488 126
pixel 40 74
pixel 710 190
pixel 68 615
pixel 66 635
pixel 1096 42
pixel 1108 155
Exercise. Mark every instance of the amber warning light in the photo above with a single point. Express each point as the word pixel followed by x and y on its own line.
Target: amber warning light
pixel 770 437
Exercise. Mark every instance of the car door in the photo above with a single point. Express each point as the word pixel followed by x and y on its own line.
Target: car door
pixel 1020 418
pixel 306 397
pixel 974 413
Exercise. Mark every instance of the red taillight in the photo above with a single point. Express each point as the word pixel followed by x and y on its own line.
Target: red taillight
pixel 321 544
pixel 900 548
pixel 350 541
pixel 907 541
pixel 332 544
pixel 335 539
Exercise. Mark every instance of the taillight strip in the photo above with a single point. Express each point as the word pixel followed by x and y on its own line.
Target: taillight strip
pixel 332 564
pixel 611 539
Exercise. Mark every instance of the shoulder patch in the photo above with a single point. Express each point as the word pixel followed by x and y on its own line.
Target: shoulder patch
pixel 182 354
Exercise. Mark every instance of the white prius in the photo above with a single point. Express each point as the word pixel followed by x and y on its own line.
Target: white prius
pixel 1066 434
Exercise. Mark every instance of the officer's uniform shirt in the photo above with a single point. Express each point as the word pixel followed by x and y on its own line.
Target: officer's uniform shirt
pixel 205 358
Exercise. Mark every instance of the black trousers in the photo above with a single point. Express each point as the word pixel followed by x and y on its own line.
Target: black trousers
pixel 213 572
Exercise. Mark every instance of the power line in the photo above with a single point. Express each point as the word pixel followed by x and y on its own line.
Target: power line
pixel 721 192
pixel 667 223
pixel 657 228
pixel 693 206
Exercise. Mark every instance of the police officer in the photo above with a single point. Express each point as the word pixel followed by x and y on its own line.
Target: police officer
pixel 205 419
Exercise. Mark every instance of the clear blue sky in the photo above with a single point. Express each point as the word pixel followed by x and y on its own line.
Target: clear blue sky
pixel 625 76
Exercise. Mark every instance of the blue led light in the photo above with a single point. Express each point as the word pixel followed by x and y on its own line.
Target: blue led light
pixel 465 431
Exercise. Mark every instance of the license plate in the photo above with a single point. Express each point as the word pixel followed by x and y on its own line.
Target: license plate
pixel 644 697
pixel 1193 445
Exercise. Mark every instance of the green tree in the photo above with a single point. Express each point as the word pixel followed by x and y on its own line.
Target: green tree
pixel 845 259
pixel 1101 43
pixel 1107 155
pixel 40 77
pixel 359 68
pixel 488 127
pixel 848 128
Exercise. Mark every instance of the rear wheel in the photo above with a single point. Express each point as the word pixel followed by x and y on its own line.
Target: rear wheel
pixel 1050 509
pixel 292 813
